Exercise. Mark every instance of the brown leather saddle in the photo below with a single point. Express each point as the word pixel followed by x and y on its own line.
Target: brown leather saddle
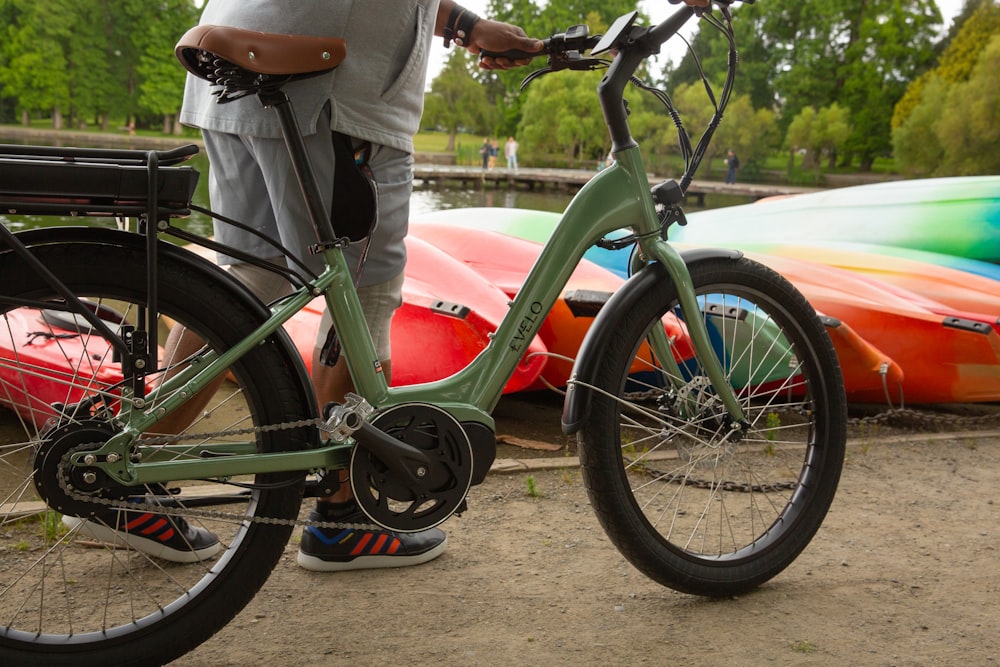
pixel 246 62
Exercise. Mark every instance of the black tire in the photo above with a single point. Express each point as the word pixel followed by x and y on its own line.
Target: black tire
pixel 688 508
pixel 64 600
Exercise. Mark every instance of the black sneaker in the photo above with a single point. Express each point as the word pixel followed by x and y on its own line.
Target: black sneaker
pixel 157 535
pixel 338 549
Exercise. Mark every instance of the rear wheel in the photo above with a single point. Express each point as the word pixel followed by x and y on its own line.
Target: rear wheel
pixel 71 595
pixel 693 505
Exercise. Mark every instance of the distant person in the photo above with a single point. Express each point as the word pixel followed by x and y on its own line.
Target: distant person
pixel 733 163
pixel 510 152
pixel 484 153
pixel 494 151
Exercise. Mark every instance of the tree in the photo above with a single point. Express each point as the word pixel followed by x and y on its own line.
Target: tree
pixel 457 101
pixel 953 131
pixel 818 132
pixel 958 57
pixel 969 131
pixel 916 147
pixel 946 105
pixel 756 61
pixel 162 87
pixel 36 70
pixel 562 116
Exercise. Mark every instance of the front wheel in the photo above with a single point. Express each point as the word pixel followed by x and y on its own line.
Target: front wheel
pixel 690 503
pixel 71 592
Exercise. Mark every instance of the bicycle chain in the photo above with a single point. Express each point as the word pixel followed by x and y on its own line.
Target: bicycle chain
pixel 67 487
pixel 156 508
pixel 710 485
pixel 926 418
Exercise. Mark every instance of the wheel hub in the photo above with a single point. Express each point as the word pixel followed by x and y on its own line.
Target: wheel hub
pixel 55 479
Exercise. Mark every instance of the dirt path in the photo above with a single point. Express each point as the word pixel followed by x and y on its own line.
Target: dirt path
pixel 903 572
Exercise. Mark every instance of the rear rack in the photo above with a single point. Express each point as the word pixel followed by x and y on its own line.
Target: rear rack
pixel 44 180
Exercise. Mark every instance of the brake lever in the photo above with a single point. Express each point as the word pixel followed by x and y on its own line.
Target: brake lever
pixel 570 60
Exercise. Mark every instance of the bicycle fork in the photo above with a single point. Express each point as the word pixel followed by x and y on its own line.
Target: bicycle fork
pixel 661 345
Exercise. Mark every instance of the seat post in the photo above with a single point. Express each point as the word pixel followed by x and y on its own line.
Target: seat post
pixel 320 217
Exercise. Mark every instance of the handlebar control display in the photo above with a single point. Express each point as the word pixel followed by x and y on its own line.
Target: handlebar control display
pixel 614 33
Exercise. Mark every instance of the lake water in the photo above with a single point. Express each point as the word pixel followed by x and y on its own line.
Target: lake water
pixel 424 200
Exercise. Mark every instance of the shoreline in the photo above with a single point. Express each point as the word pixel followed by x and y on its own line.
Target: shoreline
pixel 116 139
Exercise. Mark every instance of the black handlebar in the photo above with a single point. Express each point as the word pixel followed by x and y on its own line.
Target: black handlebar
pixel 577 39
pixel 631 45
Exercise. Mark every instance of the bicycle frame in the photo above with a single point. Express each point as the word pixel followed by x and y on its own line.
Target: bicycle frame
pixel 615 198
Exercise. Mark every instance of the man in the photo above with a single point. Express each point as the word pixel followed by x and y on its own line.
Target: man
pixel 732 164
pixel 375 97
pixel 510 151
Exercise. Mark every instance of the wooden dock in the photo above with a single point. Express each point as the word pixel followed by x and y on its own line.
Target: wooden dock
pixel 571 180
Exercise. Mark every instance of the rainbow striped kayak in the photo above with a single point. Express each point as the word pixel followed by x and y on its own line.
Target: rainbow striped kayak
pixel 949 216
pixel 893 343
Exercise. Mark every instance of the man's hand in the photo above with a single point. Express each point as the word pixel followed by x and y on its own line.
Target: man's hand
pixel 497 37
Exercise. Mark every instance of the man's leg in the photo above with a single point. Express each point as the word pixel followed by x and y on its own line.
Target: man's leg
pixel 334 549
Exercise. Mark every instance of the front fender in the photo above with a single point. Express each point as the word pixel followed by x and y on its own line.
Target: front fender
pixel 576 408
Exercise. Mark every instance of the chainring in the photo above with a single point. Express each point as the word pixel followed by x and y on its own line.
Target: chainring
pixel 393 503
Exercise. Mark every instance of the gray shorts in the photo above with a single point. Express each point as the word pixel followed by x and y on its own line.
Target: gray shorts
pixel 251 180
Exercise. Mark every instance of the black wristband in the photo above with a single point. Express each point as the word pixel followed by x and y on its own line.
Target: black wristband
pixel 459 27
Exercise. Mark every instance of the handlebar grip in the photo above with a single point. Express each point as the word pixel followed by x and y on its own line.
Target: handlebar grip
pixel 513 54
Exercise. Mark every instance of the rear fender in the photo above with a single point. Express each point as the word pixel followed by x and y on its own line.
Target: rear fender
pixel 208 273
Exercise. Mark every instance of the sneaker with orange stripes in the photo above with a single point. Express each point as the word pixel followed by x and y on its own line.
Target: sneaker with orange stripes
pixel 157 535
pixel 338 549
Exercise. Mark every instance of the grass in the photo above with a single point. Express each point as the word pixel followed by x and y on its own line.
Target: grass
pixel 804 646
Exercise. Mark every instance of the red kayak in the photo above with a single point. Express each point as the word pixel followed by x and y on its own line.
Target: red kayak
pixel 47 359
pixel 447 316
pixel 505 261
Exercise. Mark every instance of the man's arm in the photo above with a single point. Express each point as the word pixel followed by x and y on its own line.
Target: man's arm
pixel 459 25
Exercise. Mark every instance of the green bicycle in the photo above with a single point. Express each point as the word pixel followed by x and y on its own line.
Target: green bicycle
pixel 707 399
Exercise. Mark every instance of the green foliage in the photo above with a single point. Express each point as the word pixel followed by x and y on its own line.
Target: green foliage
pixel 946 124
pixel 562 117
pixel 819 133
pixel 456 101
pixel 161 75
pixel 857 53
pixel 756 64
pixel 917 149
pixel 87 59
pixel 971 133
pixel 957 59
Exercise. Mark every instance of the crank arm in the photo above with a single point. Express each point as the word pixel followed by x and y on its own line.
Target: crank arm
pixel 404 460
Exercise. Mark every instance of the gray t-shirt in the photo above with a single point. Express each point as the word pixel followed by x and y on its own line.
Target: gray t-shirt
pixel 376 94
